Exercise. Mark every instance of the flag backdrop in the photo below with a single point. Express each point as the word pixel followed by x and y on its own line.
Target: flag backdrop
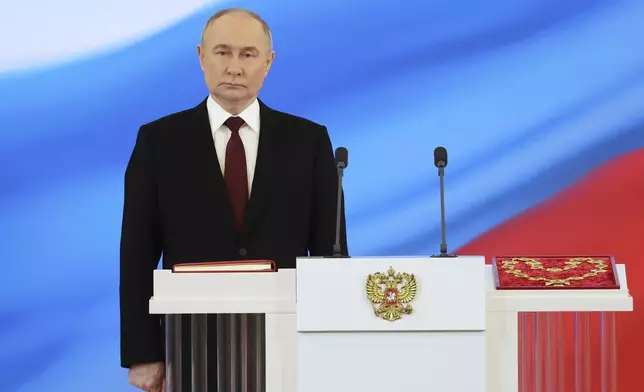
pixel 540 104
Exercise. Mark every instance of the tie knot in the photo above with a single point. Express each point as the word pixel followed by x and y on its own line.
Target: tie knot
pixel 234 123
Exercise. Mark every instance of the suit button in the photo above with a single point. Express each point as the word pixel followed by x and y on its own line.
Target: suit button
pixel 243 252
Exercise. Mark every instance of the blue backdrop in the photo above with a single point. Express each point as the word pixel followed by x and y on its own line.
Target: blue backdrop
pixel 527 96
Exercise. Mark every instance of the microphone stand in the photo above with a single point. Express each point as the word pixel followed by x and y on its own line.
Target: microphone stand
pixel 337 248
pixel 443 249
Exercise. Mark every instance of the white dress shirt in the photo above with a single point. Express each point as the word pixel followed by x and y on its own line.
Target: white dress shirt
pixel 249 133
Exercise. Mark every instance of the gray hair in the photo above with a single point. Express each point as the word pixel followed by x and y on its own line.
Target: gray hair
pixel 250 13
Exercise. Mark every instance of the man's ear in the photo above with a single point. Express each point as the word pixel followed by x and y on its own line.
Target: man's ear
pixel 200 53
pixel 269 62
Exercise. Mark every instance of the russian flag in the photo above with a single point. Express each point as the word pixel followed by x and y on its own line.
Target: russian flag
pixel 603 213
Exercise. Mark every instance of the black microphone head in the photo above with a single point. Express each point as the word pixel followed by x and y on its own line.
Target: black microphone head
pixel 440 157
pixel 341 157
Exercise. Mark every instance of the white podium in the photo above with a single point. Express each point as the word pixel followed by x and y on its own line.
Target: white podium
pixel 344 346
pixel 315 329
pixel 256 339
pixel 527 336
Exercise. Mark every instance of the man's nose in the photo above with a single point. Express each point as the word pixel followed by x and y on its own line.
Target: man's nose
pixel 234 68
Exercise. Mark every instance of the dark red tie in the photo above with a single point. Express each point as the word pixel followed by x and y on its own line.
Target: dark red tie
pixel 235 170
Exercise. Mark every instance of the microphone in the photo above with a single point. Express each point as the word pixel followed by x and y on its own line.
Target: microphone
pixel 341 162
pixel 440 161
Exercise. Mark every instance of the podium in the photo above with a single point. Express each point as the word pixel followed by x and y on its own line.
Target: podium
pixel 528 332
pixel 322 327
pixel 344 346
pixel 255 325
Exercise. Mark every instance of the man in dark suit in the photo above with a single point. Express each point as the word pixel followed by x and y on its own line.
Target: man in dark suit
pixel 230 179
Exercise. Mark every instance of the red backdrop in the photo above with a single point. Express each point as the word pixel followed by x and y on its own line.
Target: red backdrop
pixel 601 214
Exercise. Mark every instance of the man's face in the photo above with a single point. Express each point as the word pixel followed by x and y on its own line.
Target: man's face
pixel 235 57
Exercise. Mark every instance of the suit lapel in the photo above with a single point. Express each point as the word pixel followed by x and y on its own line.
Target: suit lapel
pixel 263 168
pixel 208 165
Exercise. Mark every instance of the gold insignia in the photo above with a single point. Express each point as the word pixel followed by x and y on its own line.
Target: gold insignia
pixel 391 293
pixel 510 267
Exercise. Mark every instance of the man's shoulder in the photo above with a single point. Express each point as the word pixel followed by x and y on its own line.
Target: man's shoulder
pixel 293 121
pixel 171 120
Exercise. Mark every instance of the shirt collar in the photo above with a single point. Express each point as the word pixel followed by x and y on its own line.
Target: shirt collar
pixel 217 115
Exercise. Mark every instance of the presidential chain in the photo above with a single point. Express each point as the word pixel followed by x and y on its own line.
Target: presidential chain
pixel 600 267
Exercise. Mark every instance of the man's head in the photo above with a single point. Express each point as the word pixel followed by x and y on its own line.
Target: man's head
pixel 235 54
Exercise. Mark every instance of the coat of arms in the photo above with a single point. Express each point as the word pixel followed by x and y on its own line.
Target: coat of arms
pixel 391 293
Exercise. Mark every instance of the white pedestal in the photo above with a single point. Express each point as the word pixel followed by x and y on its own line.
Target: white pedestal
pixel 344 346
pixel 461 336
pixel 504 307
pixel 243 293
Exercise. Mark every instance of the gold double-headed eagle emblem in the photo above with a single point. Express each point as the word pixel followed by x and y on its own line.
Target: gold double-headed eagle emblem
pixel 391 293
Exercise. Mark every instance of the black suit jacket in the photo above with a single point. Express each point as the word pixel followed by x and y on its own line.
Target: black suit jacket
pixel 176 205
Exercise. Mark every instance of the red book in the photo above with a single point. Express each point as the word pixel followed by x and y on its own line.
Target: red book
pixel 227 266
